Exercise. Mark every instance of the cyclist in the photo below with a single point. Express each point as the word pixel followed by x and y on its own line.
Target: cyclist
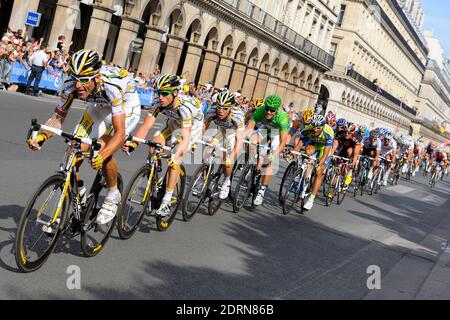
pixel 185 123
pixel 230 121
pixel 349 145
pixel 417 153
pixel 331 119
pixel 299 124
pixel 388 151
pixel 372 148
pixel 318 138
pixel 406 147
pixel 440 159
pixel 266 118
pixel 113 103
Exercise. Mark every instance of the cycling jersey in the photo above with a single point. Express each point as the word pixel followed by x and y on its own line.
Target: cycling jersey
pixel 185 113
pixel 297 127
pixel 235 119
pixel 440 157
pixel 279 121
pixel 372 145
pixel 325 139
pixel 345 143
pixel 385 149
pixel 112 96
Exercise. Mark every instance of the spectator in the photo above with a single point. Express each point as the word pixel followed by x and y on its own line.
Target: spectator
pixel 349 68
pixel 62 46
pixel 39 62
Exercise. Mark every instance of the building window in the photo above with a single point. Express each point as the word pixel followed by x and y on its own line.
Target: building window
pixel 341 15
pixel 333 49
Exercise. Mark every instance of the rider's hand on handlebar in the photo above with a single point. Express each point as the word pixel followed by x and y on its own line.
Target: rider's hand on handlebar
pixel 129 147
pixel 36 144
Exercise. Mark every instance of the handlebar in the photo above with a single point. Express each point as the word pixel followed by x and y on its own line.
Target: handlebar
pixel 35 127
pixel 263 146
pixel 149 143
pixel 211 145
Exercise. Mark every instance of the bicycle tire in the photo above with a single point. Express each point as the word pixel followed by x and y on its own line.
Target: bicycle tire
pixel 90 246
pixel 188 214
pixel 163 223
pixel 289 171
pixel 331 190
pixel 214 201
pixel 342 193
pixel 293 188
pixel 122 219
pixel 247 174
pixel 22 261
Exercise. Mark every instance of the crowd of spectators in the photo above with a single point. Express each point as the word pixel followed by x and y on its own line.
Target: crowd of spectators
pixel 16 46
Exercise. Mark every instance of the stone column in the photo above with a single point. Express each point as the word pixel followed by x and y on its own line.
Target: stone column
pixel 192 61
pixel 272 85
pixel 151 48
pixel 98 29
pixel 173 54
pixel 209 67
pixel 223 75
pixel 128 32
pixel 19 13
pixel 261 85
pixel 237 77
pixel 64 21
pixel 249 82
pixel 281 90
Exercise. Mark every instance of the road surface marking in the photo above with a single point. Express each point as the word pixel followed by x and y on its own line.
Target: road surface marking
pixel 400 189
pixel 435 200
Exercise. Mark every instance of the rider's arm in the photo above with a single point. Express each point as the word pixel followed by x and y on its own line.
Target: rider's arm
pixel 325 155
pixel 356 153
pixel 184 144
pixel 118 139
pixel 284 139
pixel 250 127
pixel 238 145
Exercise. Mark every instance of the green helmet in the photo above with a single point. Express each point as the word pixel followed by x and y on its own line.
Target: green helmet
pixel 273 102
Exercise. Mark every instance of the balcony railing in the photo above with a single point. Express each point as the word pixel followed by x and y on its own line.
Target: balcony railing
pixel 369 84
pixel 286 34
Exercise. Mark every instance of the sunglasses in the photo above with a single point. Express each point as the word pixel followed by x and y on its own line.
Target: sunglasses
pixel 83 80
pixel 271 110
pixel 318 128
pixel 223 108
pixel 164 93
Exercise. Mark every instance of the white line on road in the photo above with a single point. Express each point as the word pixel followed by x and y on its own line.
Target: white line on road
pixel 400 189
pixel 435 200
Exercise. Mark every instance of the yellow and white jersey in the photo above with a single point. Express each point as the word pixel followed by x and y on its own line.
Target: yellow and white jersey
pixel 187 111
pixel 118 94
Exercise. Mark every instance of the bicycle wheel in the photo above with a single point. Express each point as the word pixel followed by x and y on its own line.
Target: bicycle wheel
pixel 243 188
pixel 293 191
pixel 342 192
pixel 327 181
pixel 290 170
pixel 238 168
pixel 39 229
pixel 331 190
pixel 214 202
pixel 192 202
pixel 93 235
pixel 357 182
pixel 135 203
pixel 163 223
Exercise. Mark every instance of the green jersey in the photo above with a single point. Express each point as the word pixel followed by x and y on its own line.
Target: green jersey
pixel 279 121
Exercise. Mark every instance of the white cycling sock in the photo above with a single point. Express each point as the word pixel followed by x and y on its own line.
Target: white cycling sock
pixel 167 197
pixel 113 193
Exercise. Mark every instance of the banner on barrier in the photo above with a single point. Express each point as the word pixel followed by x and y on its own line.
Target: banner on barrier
pixel 19 75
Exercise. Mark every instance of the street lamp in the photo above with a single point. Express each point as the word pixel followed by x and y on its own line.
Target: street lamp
pixel 196 36
pixel 129 6
pixel 215 43
pixel 229 51
pixel 243 55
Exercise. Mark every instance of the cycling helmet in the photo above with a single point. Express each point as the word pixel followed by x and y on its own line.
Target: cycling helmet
pixel 85 63
pixel 330 118
pixel 273 102
pixel 341 122
pixel 388 135
pixel 351 127
pixel 318 121
pixel 258 102
pixel 225 99
pixel 374 133
pixel 168 82
pixel 308 115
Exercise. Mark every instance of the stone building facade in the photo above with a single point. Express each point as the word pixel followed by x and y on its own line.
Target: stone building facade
pixel 257 46
pixel 389 61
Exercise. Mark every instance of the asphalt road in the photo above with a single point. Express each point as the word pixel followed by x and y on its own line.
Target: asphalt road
pixel 258 254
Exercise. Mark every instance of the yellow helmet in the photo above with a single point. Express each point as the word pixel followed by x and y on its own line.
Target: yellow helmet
pixel 308 115
pixel 85 63
pixel 168 82
pixel 258 102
